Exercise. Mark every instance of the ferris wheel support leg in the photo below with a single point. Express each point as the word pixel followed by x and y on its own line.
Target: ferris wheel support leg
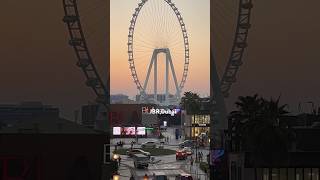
pixel 173 74
pixel 149 71
pixel 167 80
pixel 155 88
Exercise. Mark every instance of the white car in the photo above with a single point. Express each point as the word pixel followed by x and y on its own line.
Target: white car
pixel 188 150
pixel 130 152
pixel 149 144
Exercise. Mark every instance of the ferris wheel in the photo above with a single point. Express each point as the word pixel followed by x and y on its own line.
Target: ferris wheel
pixel 156 27
pixel 231 24
pixel 88 55
pixel 233 18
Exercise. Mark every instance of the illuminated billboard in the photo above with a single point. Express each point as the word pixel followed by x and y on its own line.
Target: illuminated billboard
pixel 128 131
pixel 116 130
pixel 160 111
pixel 141 130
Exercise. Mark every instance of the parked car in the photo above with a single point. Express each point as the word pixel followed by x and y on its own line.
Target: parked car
pixel 160 176
pixel 149 144
pixel 186 143
pixel 181 154
pixel 184 177
pixel 131 152
pixel 163 128
pixel 140 161
pixel 188 150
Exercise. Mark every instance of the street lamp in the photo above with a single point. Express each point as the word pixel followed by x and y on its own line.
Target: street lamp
pixel 115 157
pixel 116 177
pixel 196 134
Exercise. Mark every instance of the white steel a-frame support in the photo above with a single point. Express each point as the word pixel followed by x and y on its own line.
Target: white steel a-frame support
pixel 169 65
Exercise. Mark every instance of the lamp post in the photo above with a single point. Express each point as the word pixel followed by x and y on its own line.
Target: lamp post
pixel 115 157
pixel 116 177
pixel 196 134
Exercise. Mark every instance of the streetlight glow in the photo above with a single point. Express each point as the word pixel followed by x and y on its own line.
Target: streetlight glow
pixel 115 156
pixel 116 177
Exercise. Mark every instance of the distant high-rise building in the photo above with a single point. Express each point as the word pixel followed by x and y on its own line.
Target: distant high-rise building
pixel 121 99
pixel 11 113
pixel 89 115
pixel 161 98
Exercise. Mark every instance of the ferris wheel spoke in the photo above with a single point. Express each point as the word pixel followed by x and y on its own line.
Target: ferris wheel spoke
pixel 140 39
pixel 147 37
pixel 145 46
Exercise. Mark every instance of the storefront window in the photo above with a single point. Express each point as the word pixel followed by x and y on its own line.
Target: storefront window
pixel 265 174
pixel 315 174
pixel 299 174
pixel 283 173
pixel 201 119
pixel 307 174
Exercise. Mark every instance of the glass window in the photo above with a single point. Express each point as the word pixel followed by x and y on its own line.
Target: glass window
pixel 291 173
pixel 307 173
pixel 299 174
pixel 283 173
pixel 233 171
pixel 315 174
pixel 265 174
pixel 239 173
pixel 275 174
pixel 201 119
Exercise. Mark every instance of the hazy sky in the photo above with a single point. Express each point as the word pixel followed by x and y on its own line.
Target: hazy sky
pixel 157 13
pixel 37 64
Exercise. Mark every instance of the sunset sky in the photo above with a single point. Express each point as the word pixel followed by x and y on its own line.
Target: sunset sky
pixel 196 16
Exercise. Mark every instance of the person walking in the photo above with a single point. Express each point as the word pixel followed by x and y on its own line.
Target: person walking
pixel 131 178
pixel 191 163
pixel 119 160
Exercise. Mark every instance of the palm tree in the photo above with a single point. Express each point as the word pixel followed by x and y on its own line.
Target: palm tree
pixel 191 103
pixel 273 111
pixel 256 125
pixel 245 119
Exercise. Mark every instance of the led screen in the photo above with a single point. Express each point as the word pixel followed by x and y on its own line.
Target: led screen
pixel 129 131
pixel 116 130
pixel 141 130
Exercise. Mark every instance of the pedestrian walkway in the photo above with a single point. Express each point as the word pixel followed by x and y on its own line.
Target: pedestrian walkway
pixel 195 171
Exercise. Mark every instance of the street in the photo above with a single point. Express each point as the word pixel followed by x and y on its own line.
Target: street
pixel 166 164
